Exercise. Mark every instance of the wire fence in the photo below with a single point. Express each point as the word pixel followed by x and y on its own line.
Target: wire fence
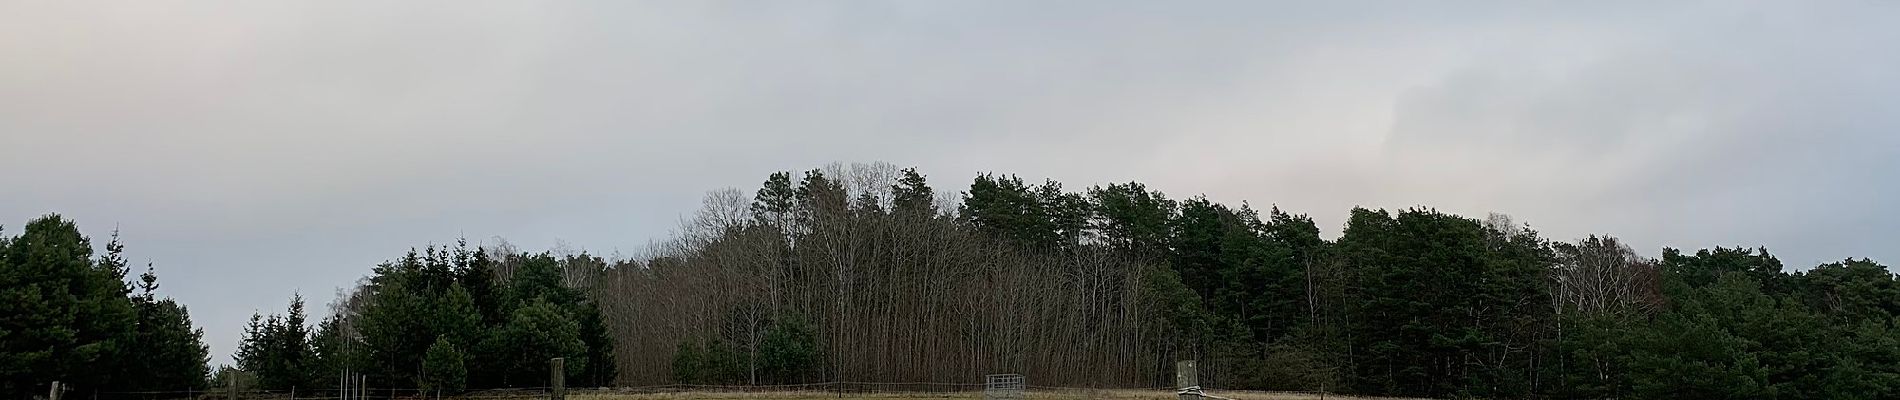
pixel 806 391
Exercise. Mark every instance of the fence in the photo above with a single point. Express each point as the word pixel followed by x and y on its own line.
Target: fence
pixel 809 391
pixel 995 387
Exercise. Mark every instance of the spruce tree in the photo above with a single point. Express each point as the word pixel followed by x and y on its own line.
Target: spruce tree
pixel 64 317
pixel 171 354
pixel 535 333
pixel 443 368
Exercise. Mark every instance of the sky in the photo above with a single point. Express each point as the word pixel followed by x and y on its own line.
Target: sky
pixel 251 150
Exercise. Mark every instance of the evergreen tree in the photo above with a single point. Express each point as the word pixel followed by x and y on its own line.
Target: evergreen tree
pixel 912 196
pixel 336 348
pixel 814 281
pixel 774 204
pixel 442 368
pixel 475 272
pixel 820 198
pixel 790 351
pixel 455 317
pixel 539 278
pixel 1004 206
pixel 599 368
pixel 277 352
pixel 1440 308
pixel 170 354
pixel 1133 219
pixel 688 362
pixel 62 316
pixel 537 332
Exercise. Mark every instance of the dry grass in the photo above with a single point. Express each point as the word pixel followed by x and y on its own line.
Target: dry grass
pixel 1066 394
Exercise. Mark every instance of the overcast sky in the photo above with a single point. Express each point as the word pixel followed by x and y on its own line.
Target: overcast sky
pixel 255 149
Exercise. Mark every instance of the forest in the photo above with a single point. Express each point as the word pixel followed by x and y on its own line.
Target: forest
pixel 868 273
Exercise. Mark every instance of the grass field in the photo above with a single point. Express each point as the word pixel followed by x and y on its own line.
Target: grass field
pixel 1066 394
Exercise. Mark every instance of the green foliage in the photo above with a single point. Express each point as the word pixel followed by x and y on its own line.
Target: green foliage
pixel 1411 302
pixel 1851 290
pixel 1444 305
pixel 912 196
pixel 1133 219
pixel 711 362
pixel 503 330
pixel 67 316
pixel 599 368
pixel 537 332
pixel 171 354
pixel 277 352
pixel 1183 322
pixel 455 316
pixel 790 351
pixel 1737 327
pixel 1405 303
pixel 395 324
pixel 1250 271
pixel 439 292
pixel 475 273
pixel 1038 217
pixel 689 362
pixel 774 203
pixel 443 367
pixel 819 197
pixel 331 344
pixel 1295 368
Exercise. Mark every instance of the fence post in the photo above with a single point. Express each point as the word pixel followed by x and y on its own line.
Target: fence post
pixel 557 377
pixel 54 394
pixel 1185 379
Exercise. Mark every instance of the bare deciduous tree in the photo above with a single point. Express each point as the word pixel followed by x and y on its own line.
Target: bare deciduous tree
pixel 1599 274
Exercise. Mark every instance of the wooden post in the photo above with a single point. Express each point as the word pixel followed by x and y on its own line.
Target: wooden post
pixel 1185 378
pixel 557 378
pixel 54 395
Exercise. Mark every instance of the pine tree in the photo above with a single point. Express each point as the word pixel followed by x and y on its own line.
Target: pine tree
pixel 911 196
pixel 1004 206
pixel 773 205
pixel 1133 219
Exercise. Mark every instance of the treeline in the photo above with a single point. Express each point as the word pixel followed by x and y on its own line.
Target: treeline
pixel 444 319
pixel 890 280
pixel 868 273
pixel 69 315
